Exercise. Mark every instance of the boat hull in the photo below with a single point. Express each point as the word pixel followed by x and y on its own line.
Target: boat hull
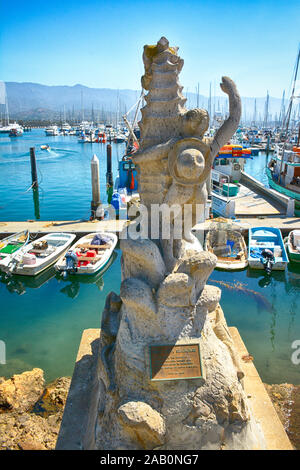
pixel 294 255
pixel 295 258
pixel 230 266
pixel 276 267
pixel 34 270
pixel 285 191
pixel 266 238
pixel 90 269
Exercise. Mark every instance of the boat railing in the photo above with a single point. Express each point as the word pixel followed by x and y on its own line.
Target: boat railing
pixel 217 184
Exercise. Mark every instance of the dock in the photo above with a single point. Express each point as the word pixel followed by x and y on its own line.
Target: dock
pixel 285 224
pixel 70 226
pixel 250 203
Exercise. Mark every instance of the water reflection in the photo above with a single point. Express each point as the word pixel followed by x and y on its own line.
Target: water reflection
pixel 20 284
pixel 72 288
pixel 16 284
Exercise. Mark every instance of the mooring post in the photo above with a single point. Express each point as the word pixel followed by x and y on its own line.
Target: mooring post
pixel 268 144
pixel 34 177
pixel 36 203
pixel 96 205
pixel 109 175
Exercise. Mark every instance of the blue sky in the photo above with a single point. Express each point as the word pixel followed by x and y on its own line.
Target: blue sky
pixel 100 44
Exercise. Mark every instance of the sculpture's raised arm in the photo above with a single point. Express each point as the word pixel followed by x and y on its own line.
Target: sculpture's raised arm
pixel 229 127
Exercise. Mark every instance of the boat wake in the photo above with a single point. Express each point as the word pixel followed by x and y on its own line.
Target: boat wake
pixel 41 155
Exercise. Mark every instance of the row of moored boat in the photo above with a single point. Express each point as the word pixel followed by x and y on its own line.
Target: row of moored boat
pixel 266 248
pixel 19 255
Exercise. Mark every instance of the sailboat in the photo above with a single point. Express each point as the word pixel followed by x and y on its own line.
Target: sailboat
pixel 283 170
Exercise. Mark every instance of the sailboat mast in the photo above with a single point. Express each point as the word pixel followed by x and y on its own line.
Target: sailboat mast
pixel 6 107
pixel 82 113
pixel 288 115
pixel 266 111
pixel 209 105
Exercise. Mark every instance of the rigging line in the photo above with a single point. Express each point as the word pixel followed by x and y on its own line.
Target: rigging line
pixel 135 104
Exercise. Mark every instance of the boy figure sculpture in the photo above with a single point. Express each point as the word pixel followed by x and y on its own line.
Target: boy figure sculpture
pixel 189 159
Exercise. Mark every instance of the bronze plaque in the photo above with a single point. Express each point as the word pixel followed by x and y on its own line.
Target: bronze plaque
pixel 173 362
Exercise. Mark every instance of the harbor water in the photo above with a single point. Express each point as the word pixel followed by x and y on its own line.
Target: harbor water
pixel 42 318
pixel 64 173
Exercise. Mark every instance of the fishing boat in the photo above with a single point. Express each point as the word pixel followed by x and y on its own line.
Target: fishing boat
pixel 225 240
pixel 11 244
pixel 36 256
pixel 283 171
pixel 292 243
pixel 88 255
pixel 266 249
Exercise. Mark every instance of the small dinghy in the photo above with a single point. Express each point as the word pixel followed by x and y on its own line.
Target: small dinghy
pixel 45 147
pixel 292 244
pixel 36 256
pixel 88 255
pixel 266 249
pixel 11 244
pixel 225 240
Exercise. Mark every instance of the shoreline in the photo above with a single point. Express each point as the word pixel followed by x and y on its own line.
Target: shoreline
pixel 31 410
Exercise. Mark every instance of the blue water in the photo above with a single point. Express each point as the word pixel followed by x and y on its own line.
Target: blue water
pixel 41 319
pixel 256 167
pixel 64 175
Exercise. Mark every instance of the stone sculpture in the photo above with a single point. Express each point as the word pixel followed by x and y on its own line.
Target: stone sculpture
pixel 164 298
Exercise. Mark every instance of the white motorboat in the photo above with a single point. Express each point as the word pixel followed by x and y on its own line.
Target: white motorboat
pixel 36 256
pixel 225 240
pixel 10 245
pixel 88 255
pixel 52 130
pixel 10 127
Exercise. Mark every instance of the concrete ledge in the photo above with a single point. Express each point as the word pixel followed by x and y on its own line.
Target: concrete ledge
pixel 79 418
pixel 260 402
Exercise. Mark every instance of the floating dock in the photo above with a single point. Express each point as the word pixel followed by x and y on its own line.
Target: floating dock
pixel 284 223
pixel 70 226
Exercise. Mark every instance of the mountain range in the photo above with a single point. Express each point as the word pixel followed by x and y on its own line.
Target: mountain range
pixel 35 101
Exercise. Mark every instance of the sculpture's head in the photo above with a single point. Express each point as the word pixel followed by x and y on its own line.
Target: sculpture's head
pixel 190 164
pixel 195 122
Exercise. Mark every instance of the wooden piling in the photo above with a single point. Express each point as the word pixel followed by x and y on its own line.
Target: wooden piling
pixel 34 177
pixel 109 175
pixel 96 201
pixel 36 203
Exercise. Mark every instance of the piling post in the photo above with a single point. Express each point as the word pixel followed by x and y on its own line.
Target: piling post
pixel 96 204
pixel 268 144
pixel 34 177
pixel 36 203
pixel 109 175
